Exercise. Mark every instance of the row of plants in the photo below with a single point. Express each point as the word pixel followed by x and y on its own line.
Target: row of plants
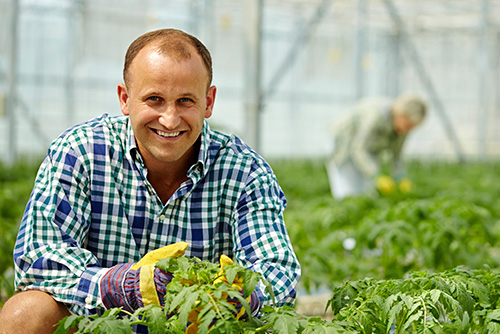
pixel 422 262
pixel 451 218
pixel 16 183
pixel 197 301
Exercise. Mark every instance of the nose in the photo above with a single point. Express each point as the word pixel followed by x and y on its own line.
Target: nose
pixel 170 117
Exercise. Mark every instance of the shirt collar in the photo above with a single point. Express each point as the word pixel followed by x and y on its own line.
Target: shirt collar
pixel 203 156
pixel 132 146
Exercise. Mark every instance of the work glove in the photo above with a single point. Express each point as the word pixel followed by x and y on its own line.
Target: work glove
pixel 385 184
pixel 240 313
pixel 135 285
pixel 405 185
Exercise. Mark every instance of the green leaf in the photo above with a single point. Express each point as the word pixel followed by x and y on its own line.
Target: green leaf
pixel 388 306
pixel 206 320
pixel 285 324
pixel 393 313
pixel 156 320
pixel 68 322
pixel 480 292
pixel 493 316
pixel 178 299
pixel 412 318
pixel 435 295
pixel 465 325
pixel 493 328
pixel 231 271
pixel 188 304
pixel 114 326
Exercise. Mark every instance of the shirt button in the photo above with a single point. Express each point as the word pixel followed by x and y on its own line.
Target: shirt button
pixel 162 217
pixel 88 300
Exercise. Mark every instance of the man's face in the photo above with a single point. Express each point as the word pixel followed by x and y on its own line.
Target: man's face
pixel 167 101
pixel 402 124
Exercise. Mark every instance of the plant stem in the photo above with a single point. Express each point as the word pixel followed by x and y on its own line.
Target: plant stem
pixel 263 328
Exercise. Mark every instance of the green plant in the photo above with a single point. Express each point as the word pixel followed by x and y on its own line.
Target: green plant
pixel 193 296
pixel 15 185
pixel 449 219
pixel 454 301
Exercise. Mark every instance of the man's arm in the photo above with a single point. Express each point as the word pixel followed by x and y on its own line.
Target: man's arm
pixel 261 239
pixel 49 254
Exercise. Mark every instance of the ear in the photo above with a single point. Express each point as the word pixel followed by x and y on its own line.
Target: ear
pixel 123 97
pixel 210 101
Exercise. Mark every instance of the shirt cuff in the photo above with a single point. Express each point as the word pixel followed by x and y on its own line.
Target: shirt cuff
pixel 88 293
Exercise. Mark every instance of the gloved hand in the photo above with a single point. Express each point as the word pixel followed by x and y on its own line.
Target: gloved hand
pixel 405 185
pixel 237 284
pixel 253 300
pixel 134 285
pixel 385 184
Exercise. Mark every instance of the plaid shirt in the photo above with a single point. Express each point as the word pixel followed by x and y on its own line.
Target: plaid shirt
pixel 92 207
pixel 364 134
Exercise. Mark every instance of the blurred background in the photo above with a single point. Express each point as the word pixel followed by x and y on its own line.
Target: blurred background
pixel 285 69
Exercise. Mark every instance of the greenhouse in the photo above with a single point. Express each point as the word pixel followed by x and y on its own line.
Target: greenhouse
pixel 418 259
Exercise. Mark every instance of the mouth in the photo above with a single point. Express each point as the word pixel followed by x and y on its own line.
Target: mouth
pixel 168 134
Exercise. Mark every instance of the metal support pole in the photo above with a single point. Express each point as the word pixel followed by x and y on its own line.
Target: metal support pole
pixel 12 85
pixel 483 93
pixel 74 23
pixel 360 47
pixel 297 46
pixel 425 79
pixel 253 36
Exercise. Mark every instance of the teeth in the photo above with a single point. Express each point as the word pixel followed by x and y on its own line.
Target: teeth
pixel 168 134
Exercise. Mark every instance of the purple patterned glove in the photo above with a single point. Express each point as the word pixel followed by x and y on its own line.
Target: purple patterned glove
pixel 124 287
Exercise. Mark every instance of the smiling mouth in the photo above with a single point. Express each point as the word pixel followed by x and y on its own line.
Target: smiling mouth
pixel 168 134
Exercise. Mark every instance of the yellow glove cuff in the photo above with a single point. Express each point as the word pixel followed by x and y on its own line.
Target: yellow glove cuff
pixel 147 285
pixel 172 250
pixel 147 275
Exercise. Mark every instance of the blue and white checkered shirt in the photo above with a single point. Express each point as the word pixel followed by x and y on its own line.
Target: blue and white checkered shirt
pixel 92 207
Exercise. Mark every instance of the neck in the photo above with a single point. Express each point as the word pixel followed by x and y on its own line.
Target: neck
pixel 166 177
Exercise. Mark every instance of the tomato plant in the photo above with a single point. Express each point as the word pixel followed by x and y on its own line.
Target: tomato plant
pixel 449 219
pixel 193 298
pixel 15 185
pixel 415 263
pixel 453 301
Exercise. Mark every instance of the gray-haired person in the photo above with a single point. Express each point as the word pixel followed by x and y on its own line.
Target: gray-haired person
pixel 372 129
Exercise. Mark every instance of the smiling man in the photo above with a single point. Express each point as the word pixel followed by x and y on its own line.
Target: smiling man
pixel 113 189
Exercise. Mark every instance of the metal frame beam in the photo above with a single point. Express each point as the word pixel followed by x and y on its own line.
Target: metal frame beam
pixel 425 78
pixel 295 49
pixel 11 100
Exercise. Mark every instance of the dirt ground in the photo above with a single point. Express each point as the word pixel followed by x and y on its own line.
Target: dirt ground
pixel 314 305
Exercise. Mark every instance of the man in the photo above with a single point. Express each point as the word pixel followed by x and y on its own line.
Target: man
pixel 373 127
pixel 115 188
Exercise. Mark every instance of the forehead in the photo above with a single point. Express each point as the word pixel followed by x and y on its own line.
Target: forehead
pixel 152 60
pixel 153 70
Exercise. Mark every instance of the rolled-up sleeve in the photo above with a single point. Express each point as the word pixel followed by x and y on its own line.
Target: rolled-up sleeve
pixel 262 241
pixel 48 255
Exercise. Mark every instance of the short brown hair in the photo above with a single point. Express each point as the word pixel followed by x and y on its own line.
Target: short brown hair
pixel 172 42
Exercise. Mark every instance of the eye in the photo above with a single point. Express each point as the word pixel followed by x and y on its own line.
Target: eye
pixel 154 98
pixel 185 100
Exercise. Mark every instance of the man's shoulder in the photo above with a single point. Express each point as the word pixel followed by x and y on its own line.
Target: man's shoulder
pixel 101 124
pixel 104 130
pixel 231 150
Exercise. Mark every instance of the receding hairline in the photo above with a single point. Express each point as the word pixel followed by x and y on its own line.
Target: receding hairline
pixel 169 42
